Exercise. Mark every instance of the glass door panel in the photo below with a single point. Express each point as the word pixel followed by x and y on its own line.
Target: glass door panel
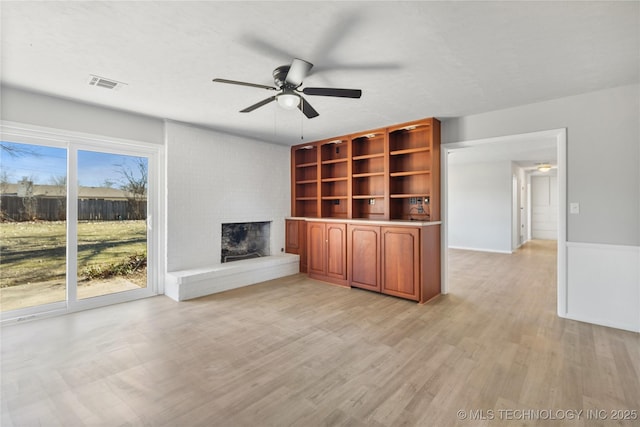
pixel 112 223
pixel 33 193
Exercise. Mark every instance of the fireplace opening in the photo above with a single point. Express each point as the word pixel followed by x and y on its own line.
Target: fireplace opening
pixel 245 240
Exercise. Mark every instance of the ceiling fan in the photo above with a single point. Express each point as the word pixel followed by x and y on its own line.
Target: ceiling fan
pixel 288 79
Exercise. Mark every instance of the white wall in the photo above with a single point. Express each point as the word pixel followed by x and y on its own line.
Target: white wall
pixel 603 175
pixel 603 155
pixel 544 207
pixel 479 215
pixel 23 106
pixel 214 178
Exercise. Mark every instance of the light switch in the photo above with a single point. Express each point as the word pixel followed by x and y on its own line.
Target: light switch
pixel 574 208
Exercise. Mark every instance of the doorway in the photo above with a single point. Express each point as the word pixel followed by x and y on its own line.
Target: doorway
pixel 505 146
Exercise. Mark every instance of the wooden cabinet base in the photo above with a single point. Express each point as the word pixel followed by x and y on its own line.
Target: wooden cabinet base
pixel 430 264
pixel 399 259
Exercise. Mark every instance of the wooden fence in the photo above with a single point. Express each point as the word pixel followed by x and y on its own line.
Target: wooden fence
pixel 54 209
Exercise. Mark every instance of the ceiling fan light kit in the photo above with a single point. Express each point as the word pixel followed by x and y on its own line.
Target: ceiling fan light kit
pixel 288 100
pixel 288 79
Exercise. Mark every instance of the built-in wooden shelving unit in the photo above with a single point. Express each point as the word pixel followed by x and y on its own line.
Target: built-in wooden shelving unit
pixel 388 173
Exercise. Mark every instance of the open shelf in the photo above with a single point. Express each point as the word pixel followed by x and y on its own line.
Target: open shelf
pixel 368 156
pixel 367 175
pixel 335 150
pixel 408 173
pixel 304 172
pixel 344 178
pixel 334 207
pixel 408 151
pixel 369 144
pixel 307 165
pixel 408 196
pixel 385 173
pixel 369 196
pixel 328 162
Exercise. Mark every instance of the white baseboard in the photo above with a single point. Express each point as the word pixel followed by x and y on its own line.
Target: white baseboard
pixel 603 285
pixel 193 283
pixel 496 251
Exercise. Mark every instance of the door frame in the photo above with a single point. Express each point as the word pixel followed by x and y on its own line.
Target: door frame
pixel 72 142
pixel 560 136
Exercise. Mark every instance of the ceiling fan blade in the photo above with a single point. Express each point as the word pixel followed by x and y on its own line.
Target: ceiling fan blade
pixel 326 91
pixel 298 71
pixel 266 48
pixel 307 109
pixel 258 105
pixel 235 82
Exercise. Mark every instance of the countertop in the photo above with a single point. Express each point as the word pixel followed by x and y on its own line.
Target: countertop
pixel 390 222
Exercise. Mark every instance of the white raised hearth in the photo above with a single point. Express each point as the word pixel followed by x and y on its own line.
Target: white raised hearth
pixel 193 283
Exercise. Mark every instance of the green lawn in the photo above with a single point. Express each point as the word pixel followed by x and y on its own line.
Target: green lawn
pixel 33 252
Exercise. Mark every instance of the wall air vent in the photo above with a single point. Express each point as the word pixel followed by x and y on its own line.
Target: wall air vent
pixel 104 82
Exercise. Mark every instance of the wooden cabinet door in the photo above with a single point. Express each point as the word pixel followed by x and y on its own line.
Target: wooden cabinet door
pixel 296 240
pixel 316 249
pixel 401 262
pixel 292 236
pixel 336 236
pixel 364 256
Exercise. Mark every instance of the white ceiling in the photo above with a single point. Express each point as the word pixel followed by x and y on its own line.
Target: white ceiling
pixel 527 151
pixel 411 59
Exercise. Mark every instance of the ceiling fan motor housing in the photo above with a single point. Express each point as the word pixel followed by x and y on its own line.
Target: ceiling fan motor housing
pixel 280 75
pixel 287 79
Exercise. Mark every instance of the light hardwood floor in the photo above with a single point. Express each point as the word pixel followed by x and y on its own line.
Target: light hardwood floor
pixel 299 352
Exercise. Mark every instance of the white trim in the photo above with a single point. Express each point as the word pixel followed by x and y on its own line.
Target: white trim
pixel 53 134
pixel 496 251
pixel 72 225
pixel 561 143
pixel 605 246
pixel 60 308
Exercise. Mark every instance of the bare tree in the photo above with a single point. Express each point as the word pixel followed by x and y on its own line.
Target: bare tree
pixel 29 201
pixel 16 150
pixel 4 185
pixel 4 181
pixel 135 185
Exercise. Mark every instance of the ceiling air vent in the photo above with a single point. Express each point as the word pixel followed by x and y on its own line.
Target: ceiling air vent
pixel 104 82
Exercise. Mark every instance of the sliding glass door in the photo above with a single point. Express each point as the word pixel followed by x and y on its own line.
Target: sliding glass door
pixel 112 223
pixel 74 225
pixel 33 238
